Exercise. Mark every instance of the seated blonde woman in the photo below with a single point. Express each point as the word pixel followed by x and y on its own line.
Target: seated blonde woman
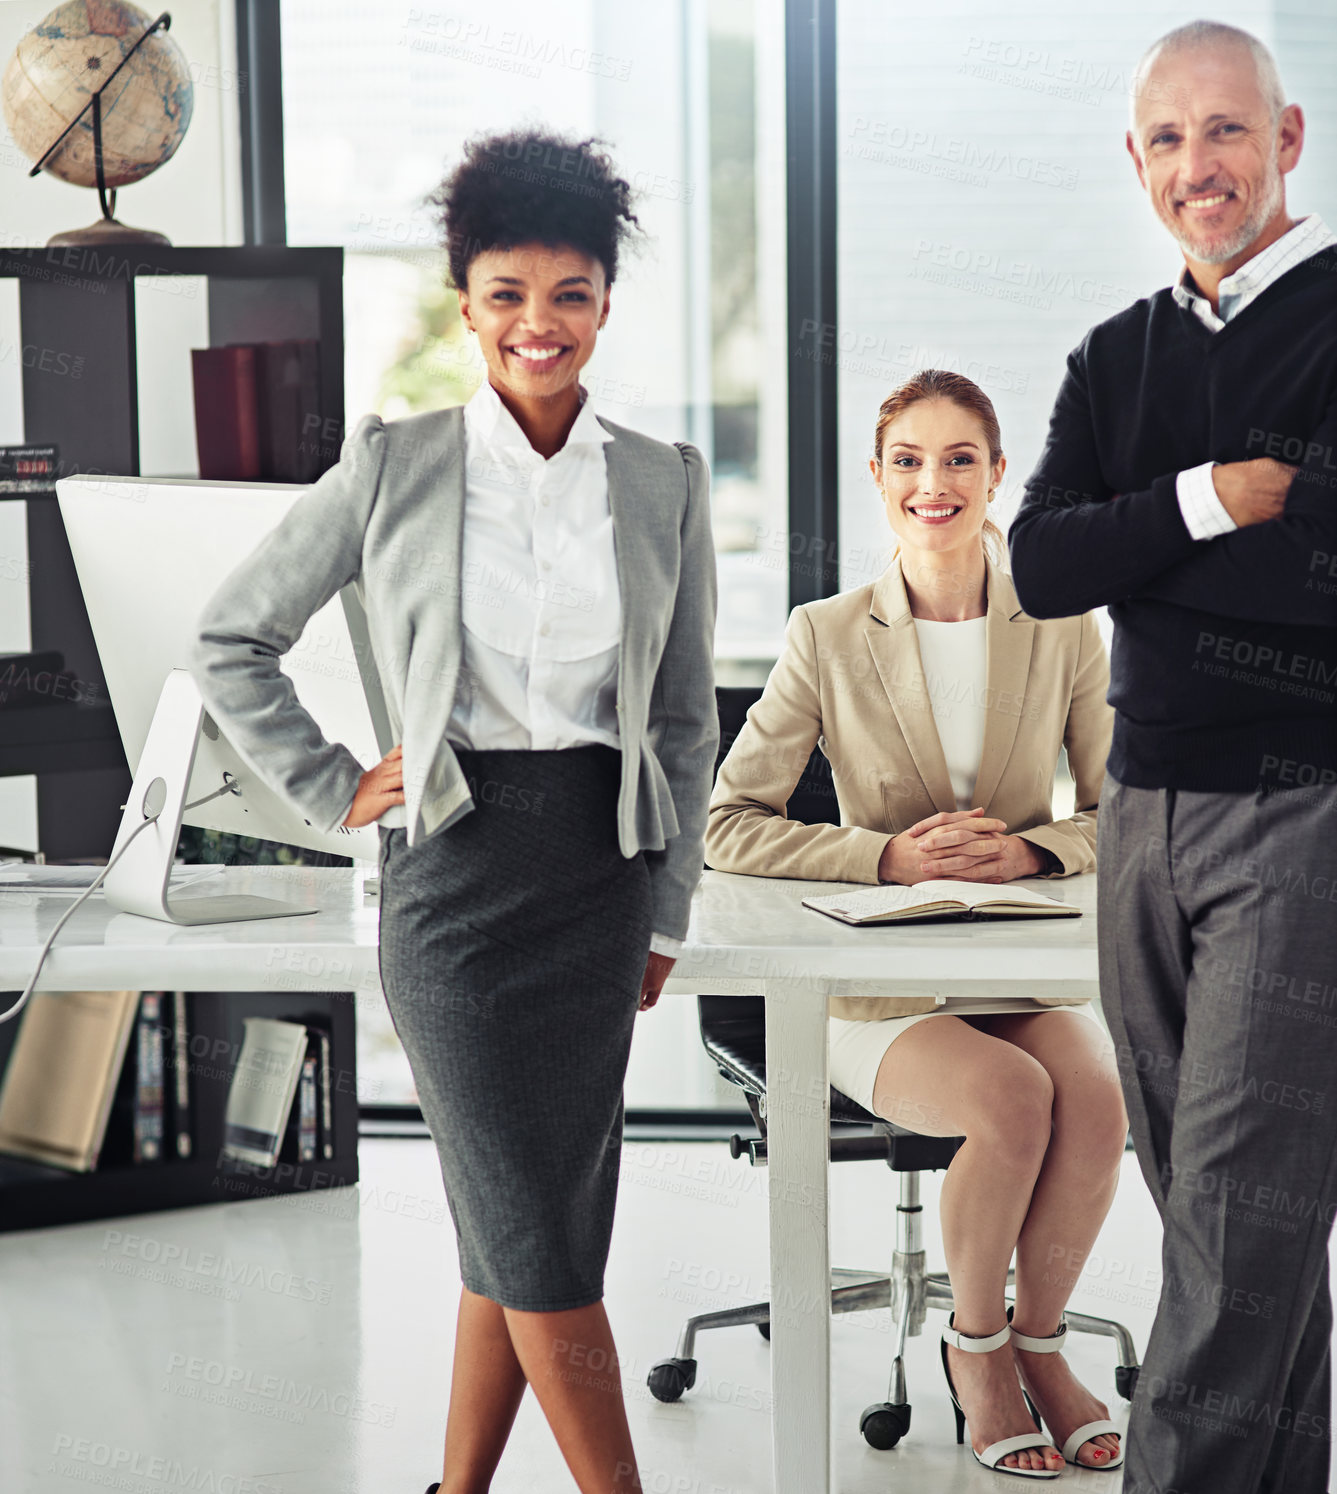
pixel 942 707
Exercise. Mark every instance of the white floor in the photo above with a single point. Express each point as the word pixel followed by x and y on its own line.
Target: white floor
pixel 303 1345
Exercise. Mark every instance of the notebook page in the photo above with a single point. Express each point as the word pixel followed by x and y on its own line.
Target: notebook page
pixel 869 902
pixel 972 893
pixel 866 901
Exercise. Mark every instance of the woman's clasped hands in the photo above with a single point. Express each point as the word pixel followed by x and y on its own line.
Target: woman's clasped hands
pixel 961 844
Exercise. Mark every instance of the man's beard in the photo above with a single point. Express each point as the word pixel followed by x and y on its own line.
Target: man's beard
pixel 1218 251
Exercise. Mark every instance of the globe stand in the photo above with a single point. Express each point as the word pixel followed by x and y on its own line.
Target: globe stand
pixel 108 229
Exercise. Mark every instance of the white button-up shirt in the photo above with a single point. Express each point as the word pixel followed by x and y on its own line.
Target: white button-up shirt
pixel 539 597
pixel 539 592
pixel 1204 513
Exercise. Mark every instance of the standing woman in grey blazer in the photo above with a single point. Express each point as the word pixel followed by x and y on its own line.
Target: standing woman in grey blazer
pixel 540 590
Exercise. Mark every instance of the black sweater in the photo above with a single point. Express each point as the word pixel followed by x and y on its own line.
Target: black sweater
pixel 1223 673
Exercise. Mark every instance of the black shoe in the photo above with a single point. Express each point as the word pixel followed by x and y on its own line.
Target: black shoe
pixel 432 1488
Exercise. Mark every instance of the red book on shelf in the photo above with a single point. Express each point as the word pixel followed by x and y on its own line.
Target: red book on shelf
pixel 227 430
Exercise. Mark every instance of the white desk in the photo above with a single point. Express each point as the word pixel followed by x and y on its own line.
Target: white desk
pixel 749 935
pixel 102 950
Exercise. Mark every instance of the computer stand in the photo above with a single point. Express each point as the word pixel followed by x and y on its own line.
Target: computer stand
pixel 139 882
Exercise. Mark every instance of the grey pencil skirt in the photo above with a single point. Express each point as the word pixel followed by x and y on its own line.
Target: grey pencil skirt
pixel 512 946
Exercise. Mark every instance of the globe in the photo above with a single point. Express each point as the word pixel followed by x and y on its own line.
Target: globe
pixel 146 107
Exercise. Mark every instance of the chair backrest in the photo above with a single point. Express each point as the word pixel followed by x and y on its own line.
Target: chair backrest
pixel 733 1028
pixel 813 801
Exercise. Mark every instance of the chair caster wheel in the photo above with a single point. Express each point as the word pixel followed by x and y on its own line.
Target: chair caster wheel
pixel 1125 1379
pixel 670 1377
pixel 765 1330
pixel 884 1425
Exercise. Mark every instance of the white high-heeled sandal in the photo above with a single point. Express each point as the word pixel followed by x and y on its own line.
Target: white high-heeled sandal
pixel 1053 1344
pixel 993 1455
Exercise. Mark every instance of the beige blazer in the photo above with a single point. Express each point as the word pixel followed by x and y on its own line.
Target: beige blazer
pixel 850 681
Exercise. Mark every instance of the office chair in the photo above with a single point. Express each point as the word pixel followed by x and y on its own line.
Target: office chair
pixel 733 1030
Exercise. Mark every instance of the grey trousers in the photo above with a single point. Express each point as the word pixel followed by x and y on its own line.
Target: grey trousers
pixel 1218 976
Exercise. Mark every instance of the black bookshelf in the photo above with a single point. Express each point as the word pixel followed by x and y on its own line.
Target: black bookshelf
pixel 80 393
pixel 35 1196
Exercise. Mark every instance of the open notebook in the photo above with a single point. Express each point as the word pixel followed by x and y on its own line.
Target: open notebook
pixel 941 898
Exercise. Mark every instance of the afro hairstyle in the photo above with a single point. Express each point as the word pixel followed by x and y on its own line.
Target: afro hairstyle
pixel 533 186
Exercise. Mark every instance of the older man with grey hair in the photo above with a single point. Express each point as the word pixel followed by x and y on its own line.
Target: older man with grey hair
pixel 1189 483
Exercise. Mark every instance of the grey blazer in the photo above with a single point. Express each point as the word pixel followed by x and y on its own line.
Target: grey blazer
pixel 388 520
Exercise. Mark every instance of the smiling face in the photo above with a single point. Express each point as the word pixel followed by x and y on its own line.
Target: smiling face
pixel 935 476
pixel 1210 155
pixel 537 312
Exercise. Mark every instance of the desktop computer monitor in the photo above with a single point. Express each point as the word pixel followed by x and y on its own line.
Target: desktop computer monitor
pixel 149 553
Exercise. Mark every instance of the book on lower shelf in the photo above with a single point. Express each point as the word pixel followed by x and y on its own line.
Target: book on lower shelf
pixel 307 1108
pixel 178 1077
pixel 63 1074
pixel 278 1104
pixel 325 1095
pixel 98 1079
pixel 150 1121
pixel 143 1077
pixel 939 898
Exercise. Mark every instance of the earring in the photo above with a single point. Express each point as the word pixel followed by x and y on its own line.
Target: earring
pixel 990 495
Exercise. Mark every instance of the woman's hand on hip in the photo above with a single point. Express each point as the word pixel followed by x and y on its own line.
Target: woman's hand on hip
pixel 378 789
pixel 657 967
pixel 947 844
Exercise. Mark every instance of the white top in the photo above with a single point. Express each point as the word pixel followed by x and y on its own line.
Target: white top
pixel 1204 513
pixel 539 596
pixel 955 660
